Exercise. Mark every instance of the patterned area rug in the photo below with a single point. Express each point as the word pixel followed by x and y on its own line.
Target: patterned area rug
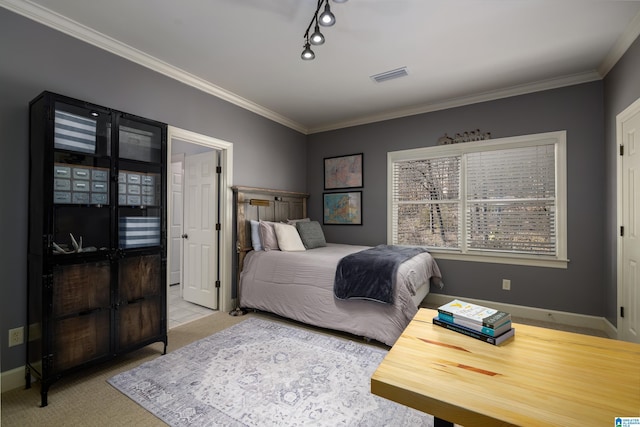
pixel 262 373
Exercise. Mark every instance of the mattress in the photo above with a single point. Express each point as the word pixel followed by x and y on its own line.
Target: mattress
pixel 299 286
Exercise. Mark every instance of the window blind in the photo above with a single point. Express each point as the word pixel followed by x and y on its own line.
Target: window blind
pixel 511 200
pixel 500 198
pixel 427 201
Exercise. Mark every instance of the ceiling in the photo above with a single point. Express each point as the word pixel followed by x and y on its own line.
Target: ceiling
pixel 456 51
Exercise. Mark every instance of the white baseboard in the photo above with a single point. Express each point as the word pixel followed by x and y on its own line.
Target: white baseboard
pixel 533 313
pixel 12 379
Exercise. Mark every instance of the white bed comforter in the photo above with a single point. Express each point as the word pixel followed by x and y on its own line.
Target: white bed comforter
pixel 299 286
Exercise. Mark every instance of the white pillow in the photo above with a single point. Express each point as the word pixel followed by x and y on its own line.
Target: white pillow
pixel 288 238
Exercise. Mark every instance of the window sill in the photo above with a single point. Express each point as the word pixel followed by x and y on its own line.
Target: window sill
pixel 502 259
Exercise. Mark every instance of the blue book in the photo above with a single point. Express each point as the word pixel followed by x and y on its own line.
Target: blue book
pixel 475 334
pixel 499 329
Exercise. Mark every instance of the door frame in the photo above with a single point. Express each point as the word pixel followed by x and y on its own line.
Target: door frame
pixel 622 117
pixel 173 158
pixel 226 207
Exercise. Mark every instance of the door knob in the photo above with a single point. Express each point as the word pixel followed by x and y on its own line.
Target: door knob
pixel 185 236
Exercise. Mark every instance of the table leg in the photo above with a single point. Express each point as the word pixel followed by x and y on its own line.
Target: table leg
pixel 438 422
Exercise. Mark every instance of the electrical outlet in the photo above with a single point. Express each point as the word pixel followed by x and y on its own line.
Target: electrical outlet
pixel 506 284
pixel 16 336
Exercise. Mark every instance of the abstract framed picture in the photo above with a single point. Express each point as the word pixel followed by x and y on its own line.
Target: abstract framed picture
pixel 342 208
pixel 343 172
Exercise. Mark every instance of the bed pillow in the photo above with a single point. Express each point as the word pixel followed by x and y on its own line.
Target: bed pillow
pixel 311 234
pixel 295 221
pixel 288 238
pixel 268 236
pixel 255 235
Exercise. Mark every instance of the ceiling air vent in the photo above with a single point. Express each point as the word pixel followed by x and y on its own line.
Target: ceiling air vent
pixel 390 75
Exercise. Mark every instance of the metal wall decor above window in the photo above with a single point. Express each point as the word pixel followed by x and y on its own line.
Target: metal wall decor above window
pixel 326 19
pixel 502 200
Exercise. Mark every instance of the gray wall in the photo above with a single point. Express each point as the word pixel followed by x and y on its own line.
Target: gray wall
pixel 34 58
pixel 577 109
pixel 621 89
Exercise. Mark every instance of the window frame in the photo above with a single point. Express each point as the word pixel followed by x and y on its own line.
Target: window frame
pixel 462 253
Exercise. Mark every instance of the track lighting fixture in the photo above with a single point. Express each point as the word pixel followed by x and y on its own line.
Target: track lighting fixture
pixel 307 53
pixel 326 19
pixel 317 38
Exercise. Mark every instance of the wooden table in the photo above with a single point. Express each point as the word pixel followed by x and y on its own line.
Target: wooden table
pixel 541 377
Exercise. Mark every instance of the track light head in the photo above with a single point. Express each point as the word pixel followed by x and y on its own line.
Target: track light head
pixel 317 38
pixel 327 18
pixel 307 53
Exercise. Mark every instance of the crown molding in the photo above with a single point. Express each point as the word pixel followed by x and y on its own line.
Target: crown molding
pixel 621 45
pixel 524 89
pixel 74 29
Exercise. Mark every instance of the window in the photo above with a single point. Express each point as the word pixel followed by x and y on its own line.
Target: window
pixel 501 200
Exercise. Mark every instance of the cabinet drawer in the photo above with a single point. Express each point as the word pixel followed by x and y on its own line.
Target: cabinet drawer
pixel 99 198
pixel 81 185
pixel 148 180
pixel 60 184
pixel 148 200
pixel 133 178
pixel 148 190
pixel 80 339
pixel 99 175
pixel 133 200
pixel 80 198
pixel 99 186
pixel 81 173
pixel 133 189
pixel 61 197
pixel 61 171
pixel 80 287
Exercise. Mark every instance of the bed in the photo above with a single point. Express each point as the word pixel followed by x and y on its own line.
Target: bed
pixel 299 284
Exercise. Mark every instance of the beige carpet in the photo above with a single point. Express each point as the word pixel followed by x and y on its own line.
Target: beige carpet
pixel 86 399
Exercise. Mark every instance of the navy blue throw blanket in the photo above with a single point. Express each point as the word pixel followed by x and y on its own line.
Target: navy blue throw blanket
pixel 371 273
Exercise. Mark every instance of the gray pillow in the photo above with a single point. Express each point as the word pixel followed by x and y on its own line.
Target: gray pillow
pixel 311 234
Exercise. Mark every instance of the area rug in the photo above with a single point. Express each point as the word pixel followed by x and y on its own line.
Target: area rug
pixel 264 373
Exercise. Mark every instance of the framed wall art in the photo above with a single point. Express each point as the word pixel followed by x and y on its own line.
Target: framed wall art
pixel 342 208
pixel 343 172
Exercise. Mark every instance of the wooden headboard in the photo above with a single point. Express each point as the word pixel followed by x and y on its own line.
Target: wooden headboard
pixel 263 204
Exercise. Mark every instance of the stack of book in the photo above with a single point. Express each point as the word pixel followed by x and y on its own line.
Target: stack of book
pixel 486 324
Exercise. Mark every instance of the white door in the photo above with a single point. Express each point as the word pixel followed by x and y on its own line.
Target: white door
pixel 629 325
pixel 175 228
pixel 200 243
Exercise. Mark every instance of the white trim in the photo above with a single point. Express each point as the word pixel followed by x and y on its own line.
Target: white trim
pixel 552 316
pixel 13 379
pixel 621 46
pixel 558 138
pixel 74 29
pixel 226 199
pixel 493 95
pixel 502 259
pixel 625 115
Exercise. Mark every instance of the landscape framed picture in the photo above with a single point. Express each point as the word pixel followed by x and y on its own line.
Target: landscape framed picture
pixel 342 208
pixel 343 172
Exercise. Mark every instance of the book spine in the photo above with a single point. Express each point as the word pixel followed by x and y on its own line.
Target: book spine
pixel 474 325
pixel 466 331
pixel 494 321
